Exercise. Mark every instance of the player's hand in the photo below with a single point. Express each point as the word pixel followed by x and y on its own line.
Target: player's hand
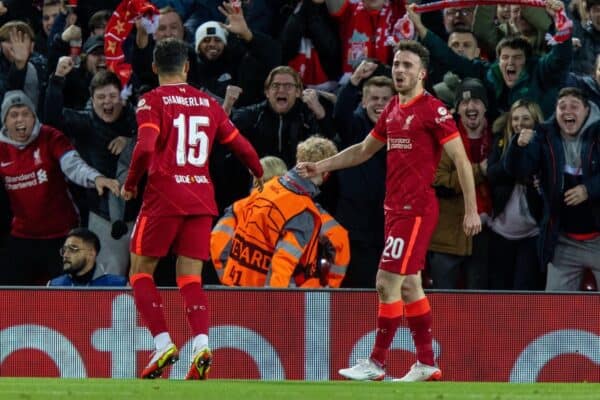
pixel 525 137
pixel 128 194
pixel 576 195
pixel 307 169
pixel 103 183
pixel 64 66
pixel 117 145
pixel 259 183
pixel 472 224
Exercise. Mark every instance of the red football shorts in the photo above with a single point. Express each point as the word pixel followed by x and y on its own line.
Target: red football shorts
pixel 407 239
pixel 186 235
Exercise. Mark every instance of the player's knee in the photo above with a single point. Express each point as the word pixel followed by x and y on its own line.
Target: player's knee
pixel 411 288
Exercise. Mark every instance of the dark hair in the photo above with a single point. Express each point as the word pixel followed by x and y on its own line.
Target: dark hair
pixel 104 78
pixel 575 92
pixel 463 30
pixel 515 43
pixel 98 19
pixel 170 55
pixel 87 236
pixel 591 3
pixel 416 48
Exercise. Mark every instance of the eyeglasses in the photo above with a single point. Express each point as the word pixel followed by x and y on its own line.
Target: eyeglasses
pixel 285 86
pixel 70 249
pixel 459 11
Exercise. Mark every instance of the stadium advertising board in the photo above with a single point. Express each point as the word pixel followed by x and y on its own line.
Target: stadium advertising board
pixel 302 335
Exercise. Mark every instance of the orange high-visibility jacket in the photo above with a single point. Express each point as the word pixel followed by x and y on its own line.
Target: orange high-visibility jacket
pixel 262 239
pixel 334 240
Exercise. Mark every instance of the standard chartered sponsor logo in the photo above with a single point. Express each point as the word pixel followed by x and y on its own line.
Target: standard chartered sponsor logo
pixel 26 180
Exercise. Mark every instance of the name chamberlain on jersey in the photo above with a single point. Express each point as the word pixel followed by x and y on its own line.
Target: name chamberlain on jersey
pixel 179 100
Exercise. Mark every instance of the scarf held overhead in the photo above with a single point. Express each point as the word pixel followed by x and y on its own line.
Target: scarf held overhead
pixel 562 23
pixel 117 29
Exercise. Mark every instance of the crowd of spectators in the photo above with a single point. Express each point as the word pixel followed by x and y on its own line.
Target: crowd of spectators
pixel 524 88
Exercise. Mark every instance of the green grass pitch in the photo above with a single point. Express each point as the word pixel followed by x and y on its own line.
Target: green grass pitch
pixel 106 389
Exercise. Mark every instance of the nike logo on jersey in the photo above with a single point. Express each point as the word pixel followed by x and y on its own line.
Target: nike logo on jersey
pixel 5 164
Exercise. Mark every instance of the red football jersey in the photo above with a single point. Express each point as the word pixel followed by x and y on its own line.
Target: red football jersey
pixel 186 122
pixel 367 33
pixel 414 133
pixel 36 186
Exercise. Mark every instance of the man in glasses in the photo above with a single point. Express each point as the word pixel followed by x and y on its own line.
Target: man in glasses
pixel 289 115
pixel 79 262
pixel 458 18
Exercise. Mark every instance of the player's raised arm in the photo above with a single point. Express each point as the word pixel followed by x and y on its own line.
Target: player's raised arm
pixel 350 157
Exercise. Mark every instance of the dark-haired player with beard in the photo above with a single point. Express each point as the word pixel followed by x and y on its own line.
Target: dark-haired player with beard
pixel 177 127
pixel 415 127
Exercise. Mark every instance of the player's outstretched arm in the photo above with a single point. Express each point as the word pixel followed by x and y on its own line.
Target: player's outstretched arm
pixel 472 222
pixel 350 157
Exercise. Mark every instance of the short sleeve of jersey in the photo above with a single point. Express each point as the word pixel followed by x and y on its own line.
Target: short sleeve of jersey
pixel 59 144
pixel 442 122
pixel 379 131
pixel 226 130
pixel 147 113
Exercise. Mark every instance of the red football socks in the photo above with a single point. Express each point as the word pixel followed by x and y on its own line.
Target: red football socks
pixel 148 302
pixel 418 315
pixel 195 302
pixel 389 316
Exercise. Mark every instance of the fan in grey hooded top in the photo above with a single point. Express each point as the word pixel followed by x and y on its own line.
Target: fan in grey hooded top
pixel 34 161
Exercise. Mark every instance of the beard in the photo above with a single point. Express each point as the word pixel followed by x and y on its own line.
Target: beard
pixel 73 267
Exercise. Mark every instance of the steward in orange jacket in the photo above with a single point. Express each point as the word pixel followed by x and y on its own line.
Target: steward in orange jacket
pixel 274 233
pixel 271 238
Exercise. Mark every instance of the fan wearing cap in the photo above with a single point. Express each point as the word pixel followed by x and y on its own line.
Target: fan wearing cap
pixel 75 81
pixel 34 161
pixel 452 253
pixel 232 54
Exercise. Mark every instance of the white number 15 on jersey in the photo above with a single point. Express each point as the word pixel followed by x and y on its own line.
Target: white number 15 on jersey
pixel 192 144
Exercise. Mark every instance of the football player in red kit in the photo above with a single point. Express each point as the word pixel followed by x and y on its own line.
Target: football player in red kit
pixel 415 127
pixel 177 127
